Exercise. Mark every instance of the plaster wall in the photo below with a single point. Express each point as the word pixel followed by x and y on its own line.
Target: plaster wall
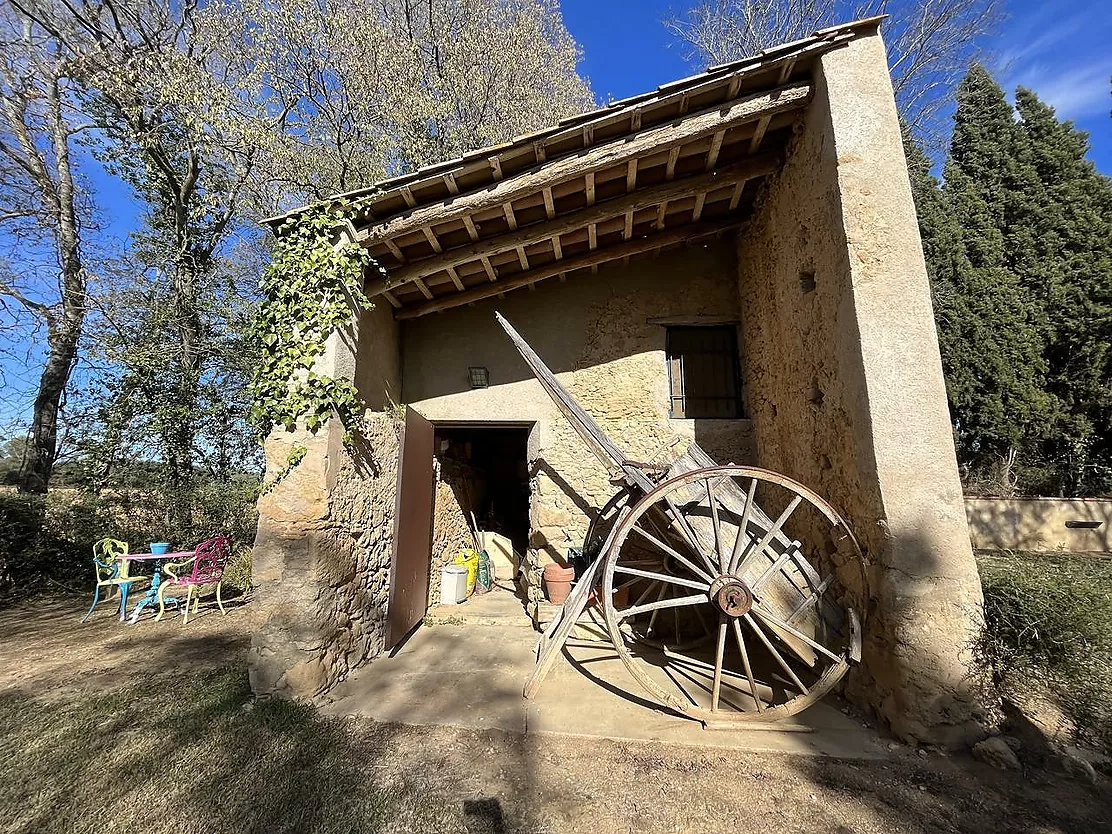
pixel 1041 524
pixel 601 334
pixel 846 389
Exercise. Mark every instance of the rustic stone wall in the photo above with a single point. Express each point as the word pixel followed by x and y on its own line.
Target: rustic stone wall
pixel 847 394
pixel 602 334
pixel 322 551
pixel 451 531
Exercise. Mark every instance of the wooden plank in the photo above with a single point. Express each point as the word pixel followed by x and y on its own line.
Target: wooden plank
pixel 700 201
pixel 758 134
pixel 601 446
pixel 680 234
pixel 673 158
pixel 552 643
pixel 455 279
pixel 715 149
pixel 432 239
pixel 535 233
pixel 619 151
pixel 409 564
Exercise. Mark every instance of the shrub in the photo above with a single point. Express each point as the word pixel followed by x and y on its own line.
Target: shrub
pixel 46 541
pixel 1048 630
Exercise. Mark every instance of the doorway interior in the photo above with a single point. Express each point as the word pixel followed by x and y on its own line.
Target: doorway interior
pixel 488 468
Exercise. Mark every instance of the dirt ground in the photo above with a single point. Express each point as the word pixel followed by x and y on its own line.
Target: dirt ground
pixel 434 778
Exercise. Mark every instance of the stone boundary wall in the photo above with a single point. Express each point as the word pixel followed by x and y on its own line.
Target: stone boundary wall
pixel 1040 524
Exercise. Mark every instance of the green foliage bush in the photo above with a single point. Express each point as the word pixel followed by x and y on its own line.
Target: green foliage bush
pixel 1048 632
pixel 46 541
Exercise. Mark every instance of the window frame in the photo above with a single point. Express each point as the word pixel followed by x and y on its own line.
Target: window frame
pixel 733 356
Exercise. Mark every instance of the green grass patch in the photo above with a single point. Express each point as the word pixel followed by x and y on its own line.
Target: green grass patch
pixel 1048 632
pixel 179 753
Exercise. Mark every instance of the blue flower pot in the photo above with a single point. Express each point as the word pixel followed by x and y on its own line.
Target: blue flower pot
pixel 158 548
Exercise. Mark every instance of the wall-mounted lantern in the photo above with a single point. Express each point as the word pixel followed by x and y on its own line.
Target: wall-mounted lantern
pixel 478 376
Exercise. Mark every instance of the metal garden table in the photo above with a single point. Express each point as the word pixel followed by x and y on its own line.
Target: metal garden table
pixel 157 560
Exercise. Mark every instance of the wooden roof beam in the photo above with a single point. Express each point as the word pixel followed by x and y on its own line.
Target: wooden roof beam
pixel 616 252
pixel 616 152
pixel 729 175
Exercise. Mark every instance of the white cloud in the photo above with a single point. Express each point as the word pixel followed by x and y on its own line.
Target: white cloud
pixel 1075 92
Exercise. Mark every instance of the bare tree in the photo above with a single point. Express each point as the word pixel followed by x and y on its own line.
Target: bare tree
pixel 364 89
pixel 930 43
pixel 39 206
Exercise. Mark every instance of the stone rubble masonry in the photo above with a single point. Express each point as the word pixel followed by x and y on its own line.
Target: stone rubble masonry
pixel 322 552
pixel 847 394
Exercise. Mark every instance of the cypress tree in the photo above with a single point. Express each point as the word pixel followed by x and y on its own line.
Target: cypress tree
pixel 1061 250
pixel 991 332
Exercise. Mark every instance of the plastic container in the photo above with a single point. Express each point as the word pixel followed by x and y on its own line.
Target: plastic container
pixel 159 548
pixel 557 582
pixel 453 584
pixel 470 560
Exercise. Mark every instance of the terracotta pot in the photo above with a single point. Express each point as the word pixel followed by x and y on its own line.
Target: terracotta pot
pixel 557 583
pixel 621 597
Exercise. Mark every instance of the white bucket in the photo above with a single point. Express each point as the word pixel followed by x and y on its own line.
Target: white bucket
pixel 453 584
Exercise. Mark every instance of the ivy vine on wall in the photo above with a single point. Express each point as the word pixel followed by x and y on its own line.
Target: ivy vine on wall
pixel 313 285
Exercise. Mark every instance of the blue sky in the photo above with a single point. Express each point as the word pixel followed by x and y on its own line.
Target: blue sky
pixel 1062 49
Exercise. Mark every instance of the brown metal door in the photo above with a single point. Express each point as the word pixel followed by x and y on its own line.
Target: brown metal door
pixel 409 568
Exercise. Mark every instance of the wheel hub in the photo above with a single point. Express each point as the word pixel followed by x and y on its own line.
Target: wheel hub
pixel 731 595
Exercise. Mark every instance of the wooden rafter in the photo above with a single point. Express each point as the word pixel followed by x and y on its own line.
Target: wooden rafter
pixel 696 126
pixel 759 134
pixel 715 149
pixel 644 198
pixel 616 252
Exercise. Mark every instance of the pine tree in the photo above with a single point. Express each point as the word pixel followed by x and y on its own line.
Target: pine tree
pixel 991 333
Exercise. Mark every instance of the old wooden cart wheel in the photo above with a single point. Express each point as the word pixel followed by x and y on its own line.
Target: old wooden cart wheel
pixel 698 555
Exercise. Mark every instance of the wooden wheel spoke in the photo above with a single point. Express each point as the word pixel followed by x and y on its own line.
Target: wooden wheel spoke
pixel 716 525
pixel 796 633
pixel 680 522
pixel 675 602
pixel 745 662
pixel 645 594
pixel 743 528
pixel 719 653
pixel 675 554
pixel 779 658
pixel 767 538
pixel 656 611
pixel 662 577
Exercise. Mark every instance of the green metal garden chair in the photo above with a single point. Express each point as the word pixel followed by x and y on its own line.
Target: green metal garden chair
pixel 111 565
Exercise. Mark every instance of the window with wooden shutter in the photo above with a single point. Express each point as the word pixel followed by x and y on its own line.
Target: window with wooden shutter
pixel 703 372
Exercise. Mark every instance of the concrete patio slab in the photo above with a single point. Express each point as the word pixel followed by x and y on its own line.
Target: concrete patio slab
pixel 471 675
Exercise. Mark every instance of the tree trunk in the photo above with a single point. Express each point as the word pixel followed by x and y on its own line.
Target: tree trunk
pixel 64 327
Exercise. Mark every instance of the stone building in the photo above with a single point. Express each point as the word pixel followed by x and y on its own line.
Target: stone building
pixel 732 258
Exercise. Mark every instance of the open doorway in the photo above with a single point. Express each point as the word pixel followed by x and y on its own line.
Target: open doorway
pixel 483 480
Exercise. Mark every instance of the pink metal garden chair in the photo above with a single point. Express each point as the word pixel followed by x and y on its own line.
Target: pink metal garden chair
pixel 208 563
pixel 111 566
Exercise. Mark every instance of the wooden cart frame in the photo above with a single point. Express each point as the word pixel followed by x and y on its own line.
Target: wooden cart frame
pixel 687 538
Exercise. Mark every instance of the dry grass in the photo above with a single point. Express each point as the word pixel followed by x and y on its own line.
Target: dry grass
pixel 1048 634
